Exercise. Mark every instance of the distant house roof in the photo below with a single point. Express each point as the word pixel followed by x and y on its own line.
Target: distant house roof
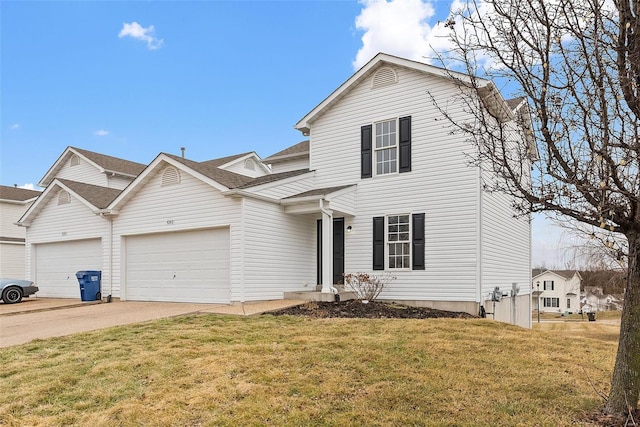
pixel 222 160
pixel 513 103
pixel 100 197
pixel 16 194
pixel 300 149
pixel 567 274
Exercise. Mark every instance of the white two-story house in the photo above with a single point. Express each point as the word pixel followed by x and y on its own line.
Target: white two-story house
pixel 556 291
pixel 380 186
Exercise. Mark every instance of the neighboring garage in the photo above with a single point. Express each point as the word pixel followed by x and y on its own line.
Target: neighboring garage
pixel 188 266
pixel 12 259
pixel 57 264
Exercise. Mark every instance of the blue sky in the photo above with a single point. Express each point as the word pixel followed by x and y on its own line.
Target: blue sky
pixel 132 79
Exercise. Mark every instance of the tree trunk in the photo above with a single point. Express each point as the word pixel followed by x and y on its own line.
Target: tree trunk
pixel 625 384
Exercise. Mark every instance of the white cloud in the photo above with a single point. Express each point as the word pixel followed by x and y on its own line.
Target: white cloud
pixel 397 27
pixel 101 132
pixel 28 186
pixel 139 32
pixel 15 126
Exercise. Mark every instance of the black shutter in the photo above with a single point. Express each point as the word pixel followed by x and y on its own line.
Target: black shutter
pixel 405 144
pixel 417 241
pixel 378 243
pixel 366 151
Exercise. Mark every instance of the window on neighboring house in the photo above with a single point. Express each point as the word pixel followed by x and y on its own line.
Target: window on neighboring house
pixel 64 198
pixel 568 302
pixel 170 176
pixel 551 302
pixel 398 242
pixel 74 161
pixel 548 285
pixel 386 147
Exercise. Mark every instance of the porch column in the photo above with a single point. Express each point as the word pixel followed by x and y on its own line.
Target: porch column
pixel 327 249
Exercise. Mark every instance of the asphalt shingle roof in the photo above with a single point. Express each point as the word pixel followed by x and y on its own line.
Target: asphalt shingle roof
pixel 273 177
pixel 17 194
pixel 300 148
pixel 100 197
pixel 111 163
pixel 210 169
pixel 319 191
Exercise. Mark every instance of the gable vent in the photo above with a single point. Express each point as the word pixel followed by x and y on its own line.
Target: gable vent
pixel 170 176
pixel 384 77
pixel 64 198
pixel 74 161
pixel 250 164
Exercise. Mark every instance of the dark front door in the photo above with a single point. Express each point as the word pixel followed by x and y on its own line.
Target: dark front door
pixel 338 250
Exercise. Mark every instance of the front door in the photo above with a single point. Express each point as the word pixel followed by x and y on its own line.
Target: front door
pixel 338 250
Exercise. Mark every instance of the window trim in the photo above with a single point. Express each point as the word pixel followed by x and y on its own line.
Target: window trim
pixel 388 242
pixel 544 285
pixel 551 301
pixel 396 146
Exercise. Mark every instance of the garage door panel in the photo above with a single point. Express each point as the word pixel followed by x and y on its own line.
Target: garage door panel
pixel 58 262
pixel 191 266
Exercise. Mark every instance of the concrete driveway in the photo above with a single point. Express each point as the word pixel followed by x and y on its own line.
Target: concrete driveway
pixel 40 318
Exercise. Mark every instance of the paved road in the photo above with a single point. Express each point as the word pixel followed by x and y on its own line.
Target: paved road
pixel 20 328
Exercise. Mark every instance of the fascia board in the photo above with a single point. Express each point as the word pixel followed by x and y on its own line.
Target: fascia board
pixel 381 58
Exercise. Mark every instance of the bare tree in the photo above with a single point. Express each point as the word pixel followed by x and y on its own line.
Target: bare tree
pixel 576 66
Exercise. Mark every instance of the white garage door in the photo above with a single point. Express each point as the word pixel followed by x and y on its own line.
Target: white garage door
pixel 190 266
pixel 12 260
pixel 57 264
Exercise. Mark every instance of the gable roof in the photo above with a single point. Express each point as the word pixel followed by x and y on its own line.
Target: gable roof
pixel 211 170
pixel 298 150
pixel 319 191
pixel 565 274
pixel 376 62
pixel 100 197
pixel 103 162
pixel 17 195
pixel 222 160
pixel 94 197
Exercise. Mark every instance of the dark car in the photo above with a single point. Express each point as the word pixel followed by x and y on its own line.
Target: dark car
pixel 13 290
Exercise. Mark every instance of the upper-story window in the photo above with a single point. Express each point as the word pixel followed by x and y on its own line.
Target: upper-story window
pixel 548 285
pixel 386 148
pixel 74 160
pixel 64 198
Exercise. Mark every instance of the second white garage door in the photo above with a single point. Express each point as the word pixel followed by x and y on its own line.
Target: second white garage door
pixel 57 264
pixel 189 266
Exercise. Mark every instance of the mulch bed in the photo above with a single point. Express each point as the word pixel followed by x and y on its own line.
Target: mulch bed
pixel 371 310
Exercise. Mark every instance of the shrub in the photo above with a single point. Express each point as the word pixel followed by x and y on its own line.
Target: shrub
pixel 366 286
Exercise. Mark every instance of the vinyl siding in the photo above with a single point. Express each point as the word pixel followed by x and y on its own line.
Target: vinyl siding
pixel 279 251
pixel 9 214
pixel 290 165
pixel 285 188
pixel 69 222
pixel 118 182
pixel 441 185
pixel 239 168
pixel 189 205
pixel 83 172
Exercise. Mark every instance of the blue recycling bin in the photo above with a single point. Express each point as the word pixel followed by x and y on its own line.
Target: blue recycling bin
pixel 90 284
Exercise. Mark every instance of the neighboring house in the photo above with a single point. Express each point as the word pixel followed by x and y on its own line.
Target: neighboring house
pixel 594 299
pixel 382 186
pixel 556 291
pixel 13 204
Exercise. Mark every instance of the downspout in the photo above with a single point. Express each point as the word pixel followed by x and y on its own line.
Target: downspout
pixel 479 242
pixel 242 247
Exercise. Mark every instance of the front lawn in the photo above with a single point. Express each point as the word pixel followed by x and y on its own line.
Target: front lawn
pixel 217 370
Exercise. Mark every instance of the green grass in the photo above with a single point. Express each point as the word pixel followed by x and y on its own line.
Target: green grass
pixel 217 370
